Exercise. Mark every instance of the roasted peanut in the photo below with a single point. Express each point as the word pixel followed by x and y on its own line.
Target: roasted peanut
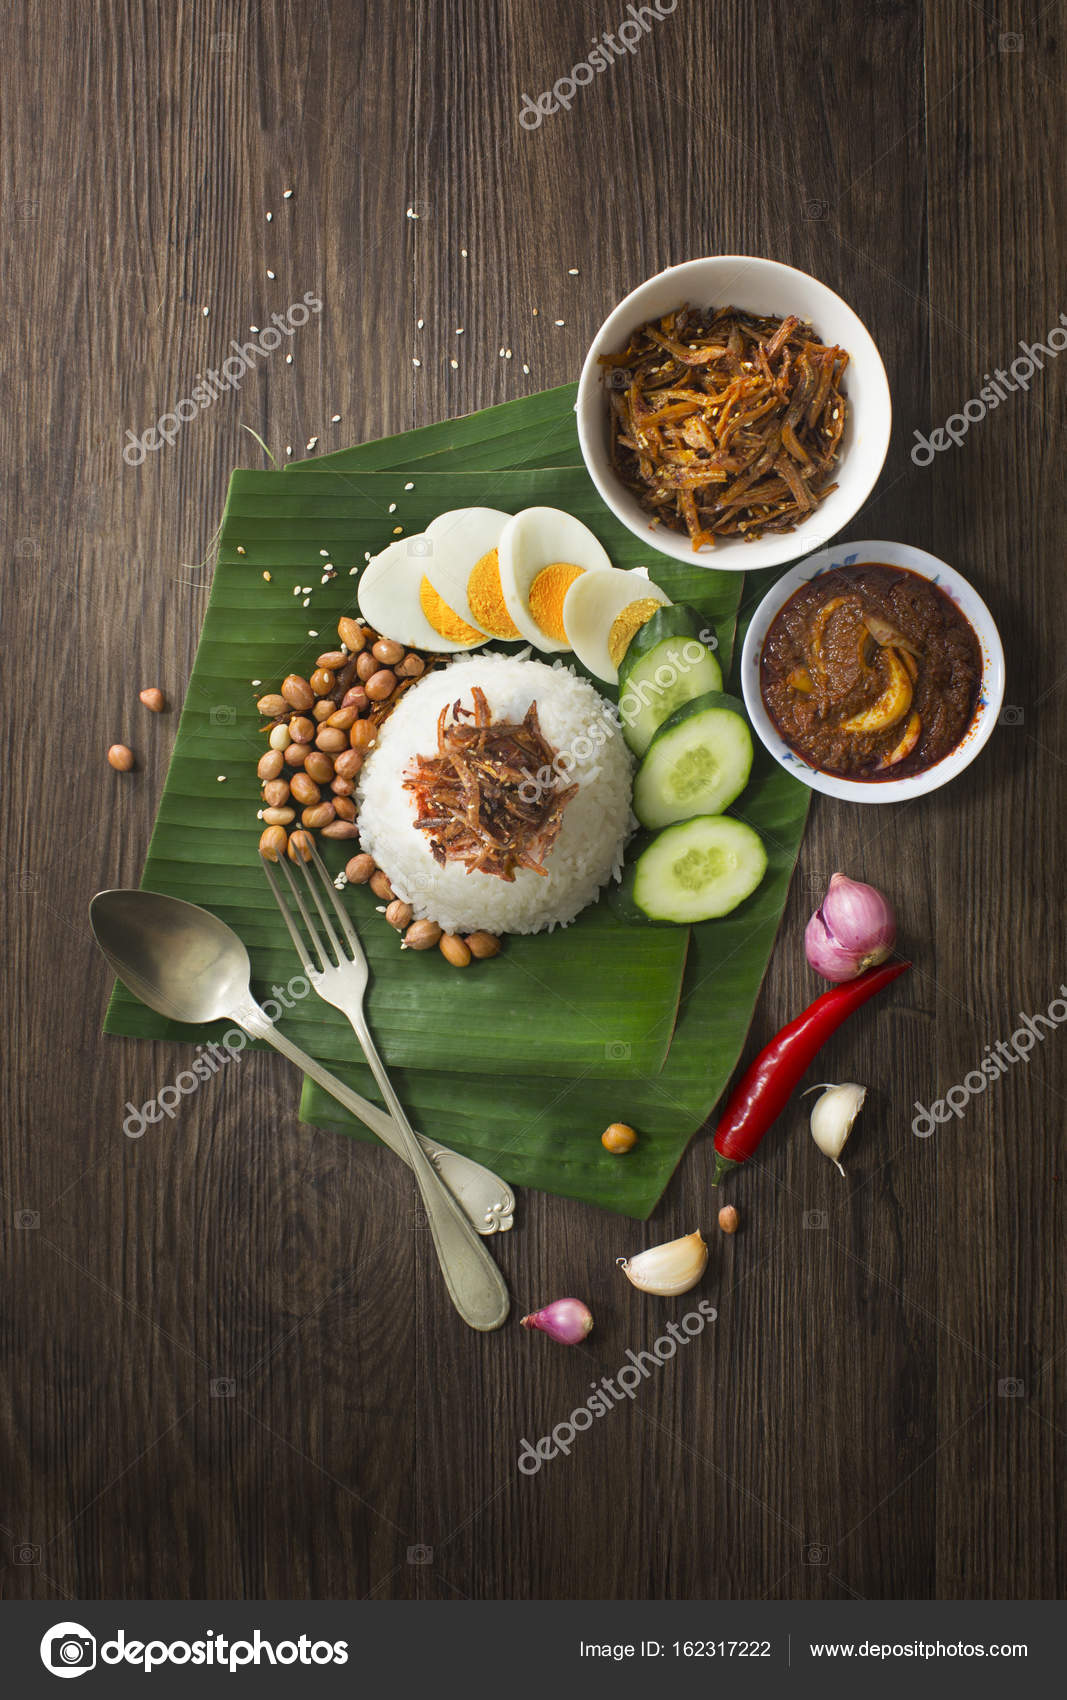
pixel 272 842
pixel 381 685
pixel 322 710
pixel 366 665
pixel 272 705
pixel 333 659
pixel 412 667
pixel 351 634
pixel 454 950
pixel 729 1220
pixel 153 698
pixel 331 739
pixel 341 829
pixel 359 869
pixel 301 729
pixel 280 737
pixel 344 718
pixel 319 766
pixel 300 845
pixel 355 697
pixel 388 652
pixel 342 787
pixel 304 789
pixel 347 764
pixel 618 1139
pixel 362 735
pixel 483 945
pixel 343 807
pixel 297 754
pixel 270 764
pixel 422 935
pixel 321 681
pixel 279 817
pixel 319 815
pixel 121 758
pixel 298 692
pixel 275 793
pixel 379 884
pixel 399 914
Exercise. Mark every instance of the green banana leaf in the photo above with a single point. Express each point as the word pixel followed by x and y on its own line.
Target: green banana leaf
pixel 560 1034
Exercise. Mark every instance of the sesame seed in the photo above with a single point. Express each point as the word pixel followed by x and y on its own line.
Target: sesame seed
pixel 526 368
pixel 240 548
pixel 560 321
pixel 463 253
pixel 419 324
pixel 501 354
pixel 306 602
pixel 269 217
pixel 220 779
pixel 366 554
pixel 325 553
pixel 312 441
pixel 205 311
pixel 397 529
pixel 352 571
pixel 573 272
pixel 312 634
pixel 335 418
pixel 253 329
pixel 288 195
pixel 296 590
pixel 267 577
pixel 255 681
pixel 392 507
pixel 454 365
pixel 270 273
pixel 409 486
pixel 459 330
pixel 507 354
pixel 307 590
pixel 536 311
pixel 416 362
pixel 288 448
pixel 288 360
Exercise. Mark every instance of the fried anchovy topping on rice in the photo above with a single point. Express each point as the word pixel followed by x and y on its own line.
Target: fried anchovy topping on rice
pixel 481 800
pixel 725 423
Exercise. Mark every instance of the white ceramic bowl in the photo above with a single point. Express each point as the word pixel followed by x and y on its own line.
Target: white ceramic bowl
pixel 990 695
pixel 760 286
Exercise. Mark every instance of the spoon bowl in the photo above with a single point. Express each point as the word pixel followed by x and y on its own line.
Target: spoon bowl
pixel 179 959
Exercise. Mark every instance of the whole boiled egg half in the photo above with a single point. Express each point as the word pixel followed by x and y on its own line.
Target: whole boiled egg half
pixel 601 613
pixel 541 553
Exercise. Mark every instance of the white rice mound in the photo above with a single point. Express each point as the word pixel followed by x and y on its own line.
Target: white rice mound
pixel 578 723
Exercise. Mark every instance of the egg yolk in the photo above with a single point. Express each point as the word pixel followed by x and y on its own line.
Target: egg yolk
pixel 545 600
pixel 444 619
pixel 633 617
pixel 487 599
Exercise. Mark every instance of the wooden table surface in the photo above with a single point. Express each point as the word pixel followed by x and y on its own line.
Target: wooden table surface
pixel 229 1366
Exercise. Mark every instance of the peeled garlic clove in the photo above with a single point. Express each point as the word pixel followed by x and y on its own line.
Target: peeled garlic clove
pixel 833 1116
pixel 667 1269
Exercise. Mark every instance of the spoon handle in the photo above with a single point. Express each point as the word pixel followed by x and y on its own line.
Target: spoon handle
pixel 486 1200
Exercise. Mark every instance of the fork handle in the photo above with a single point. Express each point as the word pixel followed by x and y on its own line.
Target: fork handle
pixel 474 1282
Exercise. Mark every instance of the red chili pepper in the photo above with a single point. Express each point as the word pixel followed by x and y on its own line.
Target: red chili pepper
pixel 761 1094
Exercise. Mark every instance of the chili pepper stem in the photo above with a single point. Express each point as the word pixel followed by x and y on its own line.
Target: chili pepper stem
pixel 723 1165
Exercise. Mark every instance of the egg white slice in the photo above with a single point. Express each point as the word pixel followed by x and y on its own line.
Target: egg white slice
pixel 593 604
pixel 537 538
pixel 388 598
pixel 458 540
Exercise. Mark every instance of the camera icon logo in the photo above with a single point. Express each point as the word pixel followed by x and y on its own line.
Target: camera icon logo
pixel 223 714
pixel 815 209
pixel 223 1387
pixel 620 378
pixel 68 1649
pixel 816 1553
pixel 1011 1388
pixel 815 1219
pixel 27 1219
pixel 1010 42
pixel 1010 715
pixel 616 1051
pixel 420 546
pixel 420 1555
pixel 26 1553
pixel 26 547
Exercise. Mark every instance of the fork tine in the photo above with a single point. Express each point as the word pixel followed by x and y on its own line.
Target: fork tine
pixel 313 892
pixel 338 907
pixel 301 949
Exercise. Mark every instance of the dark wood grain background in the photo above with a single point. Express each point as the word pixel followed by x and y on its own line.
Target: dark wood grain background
pixel 230 1369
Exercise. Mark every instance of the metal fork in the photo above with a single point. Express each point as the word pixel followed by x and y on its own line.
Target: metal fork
pixel 474 1282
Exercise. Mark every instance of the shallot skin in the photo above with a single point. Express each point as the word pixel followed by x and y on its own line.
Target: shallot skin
pixel 852 930
pixel 566 1320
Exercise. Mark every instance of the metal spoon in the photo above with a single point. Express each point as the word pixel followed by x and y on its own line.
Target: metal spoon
pixel 186 964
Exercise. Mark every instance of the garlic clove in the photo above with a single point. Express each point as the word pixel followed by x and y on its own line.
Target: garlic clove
pixel 833 1115
pixel 667 1269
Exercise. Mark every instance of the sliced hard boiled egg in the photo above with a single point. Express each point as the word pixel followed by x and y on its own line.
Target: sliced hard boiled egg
pixel 461 556
pixel 397 599
pixel 601 613
pixel 542 552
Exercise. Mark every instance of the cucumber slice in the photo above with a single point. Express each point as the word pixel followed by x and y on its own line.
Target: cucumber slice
pixel 698 869
pixel 697 763
pixel 666 664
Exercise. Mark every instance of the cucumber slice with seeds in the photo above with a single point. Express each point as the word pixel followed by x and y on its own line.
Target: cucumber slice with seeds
pixel 698 870
pixel 697 763
pixel 666 665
